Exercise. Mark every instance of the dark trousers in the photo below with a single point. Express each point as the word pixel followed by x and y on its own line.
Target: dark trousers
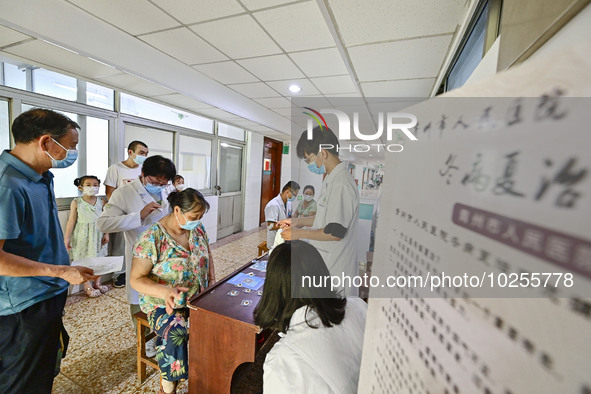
pixel 29 347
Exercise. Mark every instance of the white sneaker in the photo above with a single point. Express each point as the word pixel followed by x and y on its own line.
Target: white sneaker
pixel 151 348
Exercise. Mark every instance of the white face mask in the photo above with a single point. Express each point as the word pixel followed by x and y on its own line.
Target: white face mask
pixel 180 187
pixel 90 190
pixel 308 197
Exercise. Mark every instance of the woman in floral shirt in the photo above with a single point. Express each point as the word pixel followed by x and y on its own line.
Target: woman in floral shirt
pixel 171 263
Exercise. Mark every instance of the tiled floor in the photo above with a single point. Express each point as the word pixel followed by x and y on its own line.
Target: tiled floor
pixel 101 357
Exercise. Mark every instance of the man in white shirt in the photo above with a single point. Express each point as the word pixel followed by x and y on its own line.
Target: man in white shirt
pixel 119 174
pixel 134 207
pixel 334 227
pixel 276 210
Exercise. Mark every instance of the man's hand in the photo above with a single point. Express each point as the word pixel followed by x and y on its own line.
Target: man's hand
pixel 76 275
pixel 173 294
pixel 68 246
pixel 285 223
pixel 291 234
pixel 105 239
pixel 148 209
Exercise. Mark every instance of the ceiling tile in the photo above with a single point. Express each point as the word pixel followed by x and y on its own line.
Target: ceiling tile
pixel 404 88
pixel 135 85
pixel 279 102
pixel 184 101
pixel 333 85
pixel 133 16
pixel 367 21
pixel 41 53
pixel 296 27
pixel 418 58
pixel 271 68
pixel 226 72
pixel 320 63
pixel 216 113
pixel 192 11
pixel 238 37
pixel 184 45
pixel 283 112
pixel 9 36
pixel 283 87
pixel 255 90
pixel 258 4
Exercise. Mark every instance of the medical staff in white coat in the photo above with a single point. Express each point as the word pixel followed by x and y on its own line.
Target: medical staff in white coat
pixel 276 210
pixel 321 333
pixel 334 227
pixel 135 206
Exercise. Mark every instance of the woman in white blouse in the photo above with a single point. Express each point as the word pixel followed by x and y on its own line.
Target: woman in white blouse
pixel 321 333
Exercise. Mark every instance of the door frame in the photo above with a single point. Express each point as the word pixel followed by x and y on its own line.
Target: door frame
pixel 278 177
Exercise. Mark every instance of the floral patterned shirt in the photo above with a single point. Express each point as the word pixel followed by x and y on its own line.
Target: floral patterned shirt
pixel 173 265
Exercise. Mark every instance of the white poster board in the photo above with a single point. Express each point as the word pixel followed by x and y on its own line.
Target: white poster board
pixel 453 197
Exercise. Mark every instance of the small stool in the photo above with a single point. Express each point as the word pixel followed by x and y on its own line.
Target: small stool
pixel 263 248
pixel 142 338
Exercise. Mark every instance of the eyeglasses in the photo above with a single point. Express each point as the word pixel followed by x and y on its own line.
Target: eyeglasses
pixel 155 183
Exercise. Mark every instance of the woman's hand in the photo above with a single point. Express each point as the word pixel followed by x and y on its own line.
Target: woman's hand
pixel 67 241
pixel 172 295
pixel 105 239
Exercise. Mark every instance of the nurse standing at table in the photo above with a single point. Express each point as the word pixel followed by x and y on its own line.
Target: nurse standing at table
pixel 334 226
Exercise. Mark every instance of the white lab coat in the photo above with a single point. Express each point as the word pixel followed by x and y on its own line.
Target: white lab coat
pixel 339 203
pixel 122 214
pixel 274 212
pixel 321 360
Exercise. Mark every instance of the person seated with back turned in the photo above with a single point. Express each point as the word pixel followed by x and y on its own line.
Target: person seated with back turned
pixel 171 263
pixel 321 333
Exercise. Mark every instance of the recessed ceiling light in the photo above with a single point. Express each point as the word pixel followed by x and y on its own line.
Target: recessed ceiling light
pixel 294 88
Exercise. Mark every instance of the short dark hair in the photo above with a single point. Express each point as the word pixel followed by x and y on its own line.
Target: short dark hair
pixel 320 136
pixel 291 185
pixel 80 181
pixel 133 144
pixel 177 177
pixel 284 293
pixel 37 122
pixel 309 187
pixel 159 166
pixel 188 200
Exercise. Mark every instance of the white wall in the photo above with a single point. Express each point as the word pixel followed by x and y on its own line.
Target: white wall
pixel 254 175
pixel 576 31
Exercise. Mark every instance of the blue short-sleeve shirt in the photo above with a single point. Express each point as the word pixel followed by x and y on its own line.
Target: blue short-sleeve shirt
pixel 30 227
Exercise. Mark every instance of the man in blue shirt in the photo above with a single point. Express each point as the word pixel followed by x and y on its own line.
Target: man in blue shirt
pixel 34 263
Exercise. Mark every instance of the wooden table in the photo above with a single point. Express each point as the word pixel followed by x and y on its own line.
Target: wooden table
pixel 222 334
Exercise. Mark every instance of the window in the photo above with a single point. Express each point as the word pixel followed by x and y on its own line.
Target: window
pixel 14 76
pixel 195 162
pixel 230 168
pixel 93 145
pixel 54 84
pixel 480 36
pixel 159 141
pixel 58 85
pixel 136 106
pixel 4 126
pixel 233 132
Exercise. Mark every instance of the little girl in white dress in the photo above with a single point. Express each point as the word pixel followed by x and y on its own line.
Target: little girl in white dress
pixel 83 239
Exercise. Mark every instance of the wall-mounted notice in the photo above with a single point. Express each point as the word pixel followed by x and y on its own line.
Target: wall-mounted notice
pixel 483 246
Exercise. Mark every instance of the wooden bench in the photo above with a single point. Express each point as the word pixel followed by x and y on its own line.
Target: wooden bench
pixel 262 248
pixel 142 338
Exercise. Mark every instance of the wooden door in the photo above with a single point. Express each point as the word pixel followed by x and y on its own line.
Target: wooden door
pixel 271 182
